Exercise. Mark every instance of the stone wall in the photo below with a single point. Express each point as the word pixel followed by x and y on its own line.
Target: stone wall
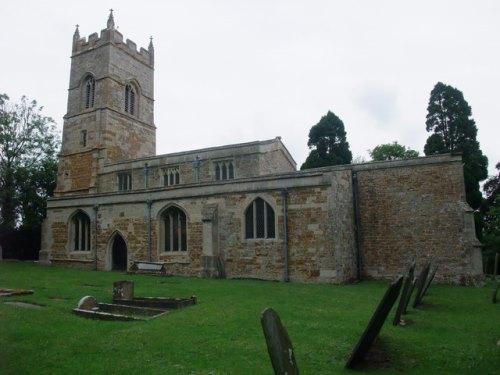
pixel 415 210
pixel 409 210
pixel 319 218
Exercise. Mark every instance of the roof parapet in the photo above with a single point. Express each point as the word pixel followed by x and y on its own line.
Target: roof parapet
pixel 112 35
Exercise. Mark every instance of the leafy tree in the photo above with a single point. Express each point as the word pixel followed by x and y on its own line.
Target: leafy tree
pixel 392 151
pixel 449 117
pixel 328 144
pixel 490 208
pixel 28 166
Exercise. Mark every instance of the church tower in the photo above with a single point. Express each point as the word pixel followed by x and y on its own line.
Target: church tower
pixel 110 114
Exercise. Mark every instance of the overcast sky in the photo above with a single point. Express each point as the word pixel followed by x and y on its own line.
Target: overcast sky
pixel 239 71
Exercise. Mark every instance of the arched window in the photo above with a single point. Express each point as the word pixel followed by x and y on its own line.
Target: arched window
pixel 129 99
pixel 80 232
pixel 174 230
pixel 259 220
pixel 89 92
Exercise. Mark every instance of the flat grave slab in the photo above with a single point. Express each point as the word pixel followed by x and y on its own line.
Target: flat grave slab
pixel 14 292
pixel 126 307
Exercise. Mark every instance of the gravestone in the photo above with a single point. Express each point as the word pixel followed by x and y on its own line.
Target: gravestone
pixel 375 325
pixel 421 280
pixel 405 294
pixel 123 290
pixel 410 293
pixel 279 346
pixel 87 303
pixel 429 281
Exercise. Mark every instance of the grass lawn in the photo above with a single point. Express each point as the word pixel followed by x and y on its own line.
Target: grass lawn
pixel 455 330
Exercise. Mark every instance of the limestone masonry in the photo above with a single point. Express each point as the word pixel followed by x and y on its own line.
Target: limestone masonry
pixel 236 211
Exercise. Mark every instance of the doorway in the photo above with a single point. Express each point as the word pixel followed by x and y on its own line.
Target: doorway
pixel 119 254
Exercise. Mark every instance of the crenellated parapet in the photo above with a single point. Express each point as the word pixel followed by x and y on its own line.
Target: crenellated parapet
pixel 112 35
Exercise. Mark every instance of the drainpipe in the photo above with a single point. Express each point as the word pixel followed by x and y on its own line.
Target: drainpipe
pixel 196 165
pixel 149 203
pixel 357 226
pixel 146 175
pixel 96 209
pixel 285 232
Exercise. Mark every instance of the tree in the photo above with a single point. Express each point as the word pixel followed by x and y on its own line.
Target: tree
pixel 449 117
pixel 328 144
pixel 490 208
pixel 392 151
pixel 28 166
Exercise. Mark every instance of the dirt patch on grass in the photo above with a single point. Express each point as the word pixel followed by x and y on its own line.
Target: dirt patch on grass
pixel 377 358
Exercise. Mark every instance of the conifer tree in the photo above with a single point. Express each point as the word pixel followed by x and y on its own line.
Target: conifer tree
pixel 328 143
pixel 449 118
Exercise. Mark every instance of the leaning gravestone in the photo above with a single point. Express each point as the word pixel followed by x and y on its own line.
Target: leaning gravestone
pixel 429 281
pixel 412 288
pixel 375 324
pixel 405 294
pixel 279 346
pixel 421 280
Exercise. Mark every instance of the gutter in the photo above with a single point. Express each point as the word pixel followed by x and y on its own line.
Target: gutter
pixel 357 225
pixel 285 233
pixel 96 210
pixel 149 203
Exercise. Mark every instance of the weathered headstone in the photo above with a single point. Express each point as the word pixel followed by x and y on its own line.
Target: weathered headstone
pixel 279 346
pixel 421 280
pixel 376 322
pixel 87 303
pixel 429 281
pixel 123 290
pixel 405 294
pixel 410 293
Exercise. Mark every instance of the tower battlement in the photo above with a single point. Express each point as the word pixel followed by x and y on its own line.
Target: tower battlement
pixel 111 35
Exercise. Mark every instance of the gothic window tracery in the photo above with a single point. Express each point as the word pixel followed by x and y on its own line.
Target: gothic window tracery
pixel 224 170
pixel 89 92
pixel 171 176
pixel 80 232
pixel 259 220
pixel 174 230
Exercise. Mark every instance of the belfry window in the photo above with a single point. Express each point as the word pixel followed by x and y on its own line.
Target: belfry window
pixel 80 232
pixel 259 220
pixel 174 230
pixel 224 170
pixel 89 92
pixel 129 99
pixel 124 181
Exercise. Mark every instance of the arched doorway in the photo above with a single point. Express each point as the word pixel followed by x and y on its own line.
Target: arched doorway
pixel 119 254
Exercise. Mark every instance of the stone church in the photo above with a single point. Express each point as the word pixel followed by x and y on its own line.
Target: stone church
pixel 235 211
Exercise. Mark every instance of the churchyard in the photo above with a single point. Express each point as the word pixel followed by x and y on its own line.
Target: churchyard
pixel 452 330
